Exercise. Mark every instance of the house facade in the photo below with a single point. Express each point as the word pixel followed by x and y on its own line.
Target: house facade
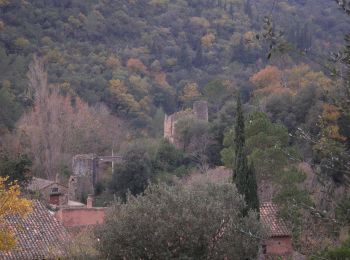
pixel 279 244
pixel 52 192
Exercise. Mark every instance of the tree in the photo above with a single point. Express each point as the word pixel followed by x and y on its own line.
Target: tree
pixel 168 158
pixel 135 173
pixel 190 93
pixel 202 221
pixel 10 110
pixel 244 176
pixel 58 127
pixel 195 138
pixel 337 253
pixel 10 204
pixel 16 168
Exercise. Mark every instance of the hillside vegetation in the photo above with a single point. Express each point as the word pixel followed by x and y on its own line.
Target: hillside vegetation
pixel 96 76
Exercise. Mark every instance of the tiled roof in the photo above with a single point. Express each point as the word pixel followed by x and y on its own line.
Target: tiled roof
pixel 39 235
pixel 38 184
pixel 268 216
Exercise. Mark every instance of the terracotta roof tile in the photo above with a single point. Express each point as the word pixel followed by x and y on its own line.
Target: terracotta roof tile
pixel 39 235
pixel 268 216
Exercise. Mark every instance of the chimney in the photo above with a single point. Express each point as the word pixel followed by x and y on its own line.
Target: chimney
pixel 89 201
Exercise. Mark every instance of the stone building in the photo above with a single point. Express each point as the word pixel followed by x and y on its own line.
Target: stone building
pixel 85 174
pixel 38 236
pixel 84 177
pixel 199 112
pixel 51 191
pixel 279 243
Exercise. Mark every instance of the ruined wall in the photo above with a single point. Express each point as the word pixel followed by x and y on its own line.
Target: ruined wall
pixel 169 127
pixel 85 174
pixel 84 177
pixel 199 111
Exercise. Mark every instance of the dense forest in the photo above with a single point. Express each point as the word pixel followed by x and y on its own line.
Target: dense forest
pixel 79 77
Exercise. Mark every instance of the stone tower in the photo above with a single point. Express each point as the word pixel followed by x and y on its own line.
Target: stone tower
pixel 84 177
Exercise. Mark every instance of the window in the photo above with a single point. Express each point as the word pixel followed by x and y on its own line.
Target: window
pixel 264 249
pixel 54 190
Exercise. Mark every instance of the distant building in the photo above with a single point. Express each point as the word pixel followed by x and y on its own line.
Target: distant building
pixel 52 192
pixel 279 244
pixel 85 174
pixel 39 235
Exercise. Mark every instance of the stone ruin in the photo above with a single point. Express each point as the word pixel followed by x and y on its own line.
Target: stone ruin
pixel 199 111
pixel 84 178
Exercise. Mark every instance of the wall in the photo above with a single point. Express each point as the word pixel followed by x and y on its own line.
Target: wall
pixel 84 177
pixel 279 246
pixel 169 127
pixel 62 191
pixel 79 217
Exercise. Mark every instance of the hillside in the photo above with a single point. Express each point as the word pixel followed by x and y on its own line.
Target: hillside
pixel 154 49
pixel 98 77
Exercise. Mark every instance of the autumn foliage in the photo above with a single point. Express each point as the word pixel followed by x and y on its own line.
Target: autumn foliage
pixel 10 204
pixel 137 65
pixel 59 126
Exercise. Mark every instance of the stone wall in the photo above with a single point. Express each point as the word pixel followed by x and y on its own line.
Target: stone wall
pixel 199 112
pixel 55 189
pixel 85 174
pixel 84 177
pixel 169 127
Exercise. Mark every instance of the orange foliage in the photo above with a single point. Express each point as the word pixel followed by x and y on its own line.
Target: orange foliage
pixel 208 40
pixel 267 77
pixel 268 80
pixel 112 62
pixel 330 113
pixel 160 78
pixel 137 65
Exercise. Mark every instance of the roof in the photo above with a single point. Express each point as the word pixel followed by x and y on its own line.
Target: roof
pixel 39 184
pixel 39 235
pixel 269 218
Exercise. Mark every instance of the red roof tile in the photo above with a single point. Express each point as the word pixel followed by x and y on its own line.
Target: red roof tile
pixel 39 235
pixel 268 216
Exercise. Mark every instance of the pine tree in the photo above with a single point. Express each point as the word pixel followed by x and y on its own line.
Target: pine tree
pixel 244 176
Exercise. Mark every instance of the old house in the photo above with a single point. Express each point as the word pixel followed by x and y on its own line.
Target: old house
pixel 279 243
pixel 52 192
pixel 39 235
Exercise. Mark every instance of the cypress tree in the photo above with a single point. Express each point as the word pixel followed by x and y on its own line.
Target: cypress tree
pixel 251 196
pixel 244 176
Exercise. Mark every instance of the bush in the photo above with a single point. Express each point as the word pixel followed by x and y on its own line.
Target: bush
pixel 201 221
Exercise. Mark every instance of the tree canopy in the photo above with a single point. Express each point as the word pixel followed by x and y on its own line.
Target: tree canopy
pixel 187 222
